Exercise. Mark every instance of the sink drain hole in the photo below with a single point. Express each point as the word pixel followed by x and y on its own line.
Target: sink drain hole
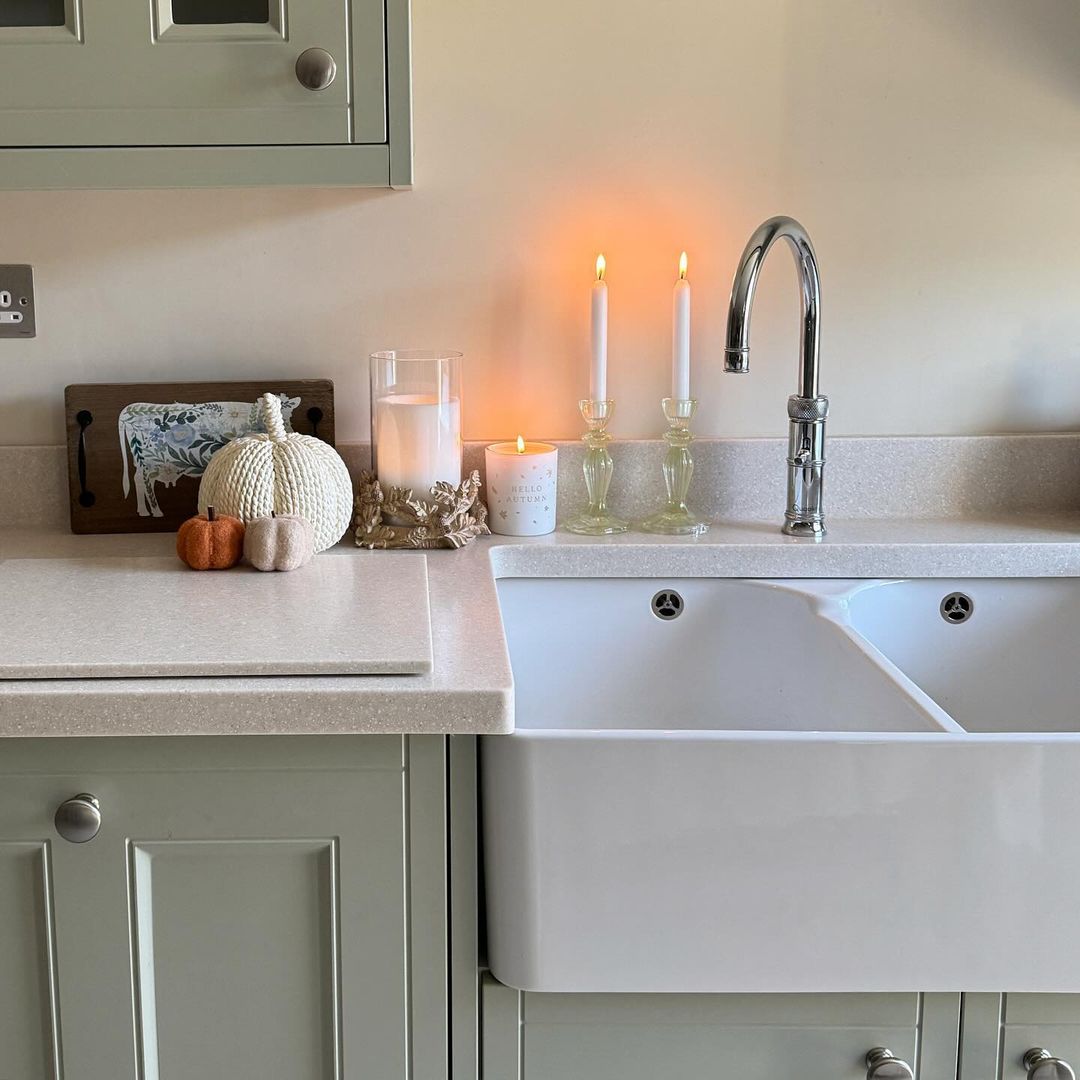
pixel 667 604
pixel 957 607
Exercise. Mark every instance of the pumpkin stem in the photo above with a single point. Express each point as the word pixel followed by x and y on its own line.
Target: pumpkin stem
pixel 211 513
pixel 273 421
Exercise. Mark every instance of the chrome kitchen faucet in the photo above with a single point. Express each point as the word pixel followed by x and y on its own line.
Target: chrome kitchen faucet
pixel 807 409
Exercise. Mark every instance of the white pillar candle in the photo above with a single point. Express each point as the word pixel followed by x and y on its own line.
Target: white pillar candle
pixel 598 368
pixel 522 483
pixel 418 441
pixel 680 336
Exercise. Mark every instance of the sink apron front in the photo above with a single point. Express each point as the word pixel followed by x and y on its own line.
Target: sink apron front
pixel 730 862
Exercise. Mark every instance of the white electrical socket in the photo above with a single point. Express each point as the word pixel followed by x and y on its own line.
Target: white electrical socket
pixel 18 318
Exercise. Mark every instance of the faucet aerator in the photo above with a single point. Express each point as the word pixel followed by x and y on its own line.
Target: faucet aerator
pixel 737 361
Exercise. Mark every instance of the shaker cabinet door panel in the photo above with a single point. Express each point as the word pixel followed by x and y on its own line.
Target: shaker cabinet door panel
pixel 251 987
pixel 28 1029
pixel 189 72
pixel 240 889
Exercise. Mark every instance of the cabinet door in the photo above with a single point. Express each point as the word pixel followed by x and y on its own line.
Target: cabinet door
pixel 243 918
pixel 29 1029
pixel 189 72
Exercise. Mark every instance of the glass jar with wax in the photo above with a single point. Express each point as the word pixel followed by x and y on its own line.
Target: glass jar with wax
pixel 522 484
pixel 416 418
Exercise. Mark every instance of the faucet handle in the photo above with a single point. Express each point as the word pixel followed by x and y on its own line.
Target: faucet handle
pixel 807 409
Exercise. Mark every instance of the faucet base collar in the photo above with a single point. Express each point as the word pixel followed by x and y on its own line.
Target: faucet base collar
pixel 813 530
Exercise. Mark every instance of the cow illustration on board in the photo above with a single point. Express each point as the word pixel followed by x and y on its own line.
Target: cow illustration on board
pixel 166 442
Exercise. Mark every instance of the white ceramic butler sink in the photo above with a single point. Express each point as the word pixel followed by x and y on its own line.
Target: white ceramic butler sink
pixel 791 786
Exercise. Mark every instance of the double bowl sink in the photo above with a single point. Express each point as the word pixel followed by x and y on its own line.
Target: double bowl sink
pixel 721 785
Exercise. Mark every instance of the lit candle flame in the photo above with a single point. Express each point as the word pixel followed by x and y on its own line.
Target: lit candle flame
pixel 682 265
pixel 601 267
pixel 521 445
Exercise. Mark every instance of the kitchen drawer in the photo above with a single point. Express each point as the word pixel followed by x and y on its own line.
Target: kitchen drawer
pixel 1048 1021
pixel 689 1036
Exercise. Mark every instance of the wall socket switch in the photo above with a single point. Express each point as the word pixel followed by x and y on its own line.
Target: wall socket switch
pixel 17 308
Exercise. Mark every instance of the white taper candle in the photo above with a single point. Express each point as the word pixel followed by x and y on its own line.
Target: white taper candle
pixel 598 368
pixel 680 335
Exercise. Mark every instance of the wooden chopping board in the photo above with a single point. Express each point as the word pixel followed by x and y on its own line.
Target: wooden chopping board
pixel 342 614
pixel 136 451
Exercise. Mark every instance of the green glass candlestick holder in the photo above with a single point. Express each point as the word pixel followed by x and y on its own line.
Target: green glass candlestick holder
pixel 676 518
pixel 596 519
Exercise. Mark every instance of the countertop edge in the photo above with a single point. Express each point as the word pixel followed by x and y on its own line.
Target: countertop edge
pixel 46 710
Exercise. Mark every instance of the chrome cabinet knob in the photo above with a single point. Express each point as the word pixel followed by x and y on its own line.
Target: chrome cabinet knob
pixel 1042 1065
pixel 883 1064
pixel 78 818
pixel 315 69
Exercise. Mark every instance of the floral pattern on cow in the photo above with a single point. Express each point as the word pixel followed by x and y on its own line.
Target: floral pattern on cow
pixel 166 442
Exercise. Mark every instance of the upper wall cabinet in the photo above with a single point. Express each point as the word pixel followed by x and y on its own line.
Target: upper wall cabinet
pixel 189 93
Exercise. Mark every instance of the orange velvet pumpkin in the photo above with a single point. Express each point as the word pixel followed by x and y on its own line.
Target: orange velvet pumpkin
pixel 211 541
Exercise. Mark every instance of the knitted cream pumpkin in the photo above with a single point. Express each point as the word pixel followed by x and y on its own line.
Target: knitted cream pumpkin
pixel 257 475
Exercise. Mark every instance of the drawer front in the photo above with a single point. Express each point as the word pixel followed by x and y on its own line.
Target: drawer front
pixel 1047 1021
pixel 688 1036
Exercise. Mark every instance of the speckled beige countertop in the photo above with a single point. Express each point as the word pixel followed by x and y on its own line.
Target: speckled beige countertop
pixel 470 689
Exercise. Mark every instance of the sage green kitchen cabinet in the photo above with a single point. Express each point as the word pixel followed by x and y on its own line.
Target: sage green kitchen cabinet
pixel 174 93
pixel 250 908
pixel 999 1029
pixel 690 1036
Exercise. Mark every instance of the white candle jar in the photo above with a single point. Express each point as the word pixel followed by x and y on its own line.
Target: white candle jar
pixel 521 487
pixel 416 418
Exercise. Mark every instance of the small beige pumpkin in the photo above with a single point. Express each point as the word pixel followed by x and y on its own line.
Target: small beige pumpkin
pixel 279 542
pixel 257 475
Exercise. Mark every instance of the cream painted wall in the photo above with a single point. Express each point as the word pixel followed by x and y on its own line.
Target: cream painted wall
pixel 932 148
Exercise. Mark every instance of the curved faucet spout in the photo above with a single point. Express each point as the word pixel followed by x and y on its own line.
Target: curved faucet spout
pixel 737 352
pixel 807 409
